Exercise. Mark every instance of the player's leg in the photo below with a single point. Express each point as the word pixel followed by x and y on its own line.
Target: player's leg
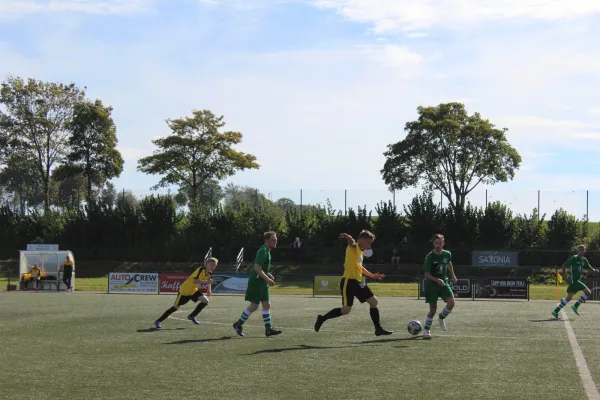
pixel 266 314
pixel 253 306
pixel 586 293
pixel 571 290
pixel 431 298
pixel 364 294
pixel 347 291
pixel 446 295
pixel 202 301
pixel 179 301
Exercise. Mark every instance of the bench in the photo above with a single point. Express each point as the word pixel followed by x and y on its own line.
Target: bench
pixel 42 282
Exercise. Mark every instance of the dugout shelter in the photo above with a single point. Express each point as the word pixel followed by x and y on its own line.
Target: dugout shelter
pixel 49 262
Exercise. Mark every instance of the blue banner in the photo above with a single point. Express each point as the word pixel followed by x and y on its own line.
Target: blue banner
pixel 507 259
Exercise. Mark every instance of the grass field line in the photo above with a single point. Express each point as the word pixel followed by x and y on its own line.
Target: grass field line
pixel 591 390
pixel 370 332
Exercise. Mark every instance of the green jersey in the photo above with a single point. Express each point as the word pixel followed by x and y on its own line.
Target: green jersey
pixel 263 258
pixel 437 264
pixel 577 265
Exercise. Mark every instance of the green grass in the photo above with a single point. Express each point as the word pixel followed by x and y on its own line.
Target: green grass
pixel 537 292
pixel 99 346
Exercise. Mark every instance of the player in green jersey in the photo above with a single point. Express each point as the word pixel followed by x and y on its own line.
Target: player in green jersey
pixel 258 287
pixel 576 266
pixel 437 265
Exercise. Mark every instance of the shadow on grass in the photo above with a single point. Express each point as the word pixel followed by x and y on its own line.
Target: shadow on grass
pixel 392 340
pixel 301 347
pixel 148 330
pixel 545 320
pixel 187 341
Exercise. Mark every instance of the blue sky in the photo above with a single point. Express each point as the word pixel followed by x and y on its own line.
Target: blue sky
pixel 320 87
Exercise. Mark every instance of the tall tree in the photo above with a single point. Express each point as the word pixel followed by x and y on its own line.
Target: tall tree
pixel 35 118
pixel 196 151
pixel 21 179
pixel 93 144
pixel 108 194
pixel 448 150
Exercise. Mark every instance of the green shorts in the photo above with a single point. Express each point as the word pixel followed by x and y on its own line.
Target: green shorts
pixel 433 292
pixel 258 291
pixel 576 286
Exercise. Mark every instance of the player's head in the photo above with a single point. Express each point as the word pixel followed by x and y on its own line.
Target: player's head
pixel 438 242
pixel 365 239
pixel 211 264
pixel 270 239
pixel 581 250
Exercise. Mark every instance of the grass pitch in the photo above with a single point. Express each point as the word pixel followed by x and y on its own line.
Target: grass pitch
pixel 98 346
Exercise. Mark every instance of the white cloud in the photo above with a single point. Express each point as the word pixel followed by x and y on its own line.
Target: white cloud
pixel 539 122
pixel 408 63
pixel 594 111
pixel 389 16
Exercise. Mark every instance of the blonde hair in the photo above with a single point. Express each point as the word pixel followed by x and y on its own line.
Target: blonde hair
pixel 213 260
pixel 365 234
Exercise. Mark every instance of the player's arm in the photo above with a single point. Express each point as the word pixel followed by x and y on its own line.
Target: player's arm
pixel 259 271
pixel 349 239
pixel 589 266
pixel 271 276
pixel 371 275
pixel 451 268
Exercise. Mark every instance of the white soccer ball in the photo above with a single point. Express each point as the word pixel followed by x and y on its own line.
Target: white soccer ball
pixel 414 327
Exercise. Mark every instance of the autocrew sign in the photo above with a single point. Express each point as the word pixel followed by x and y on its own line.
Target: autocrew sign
pixel 508 259
pixel 123 282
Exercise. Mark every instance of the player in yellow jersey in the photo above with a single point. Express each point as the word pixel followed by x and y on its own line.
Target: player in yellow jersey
pixel 351 284
pixel 196 287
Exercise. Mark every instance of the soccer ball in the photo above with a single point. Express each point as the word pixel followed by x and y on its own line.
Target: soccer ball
pixel 414 327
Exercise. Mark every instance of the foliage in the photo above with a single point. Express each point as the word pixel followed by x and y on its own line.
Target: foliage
pixel 530 231
pixel 453 152
pixel 195 152
pixel 35 119
pixel 93 145
pixel 564 230
pixel 497 226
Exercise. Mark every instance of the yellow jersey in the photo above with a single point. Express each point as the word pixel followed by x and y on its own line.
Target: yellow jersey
pixel 353 263
pixel 188 287
pixel 35 272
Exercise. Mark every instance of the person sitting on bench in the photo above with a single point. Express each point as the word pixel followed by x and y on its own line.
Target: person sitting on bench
pixel 36 274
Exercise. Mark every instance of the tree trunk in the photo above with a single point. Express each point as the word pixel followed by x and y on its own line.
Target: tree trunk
pixel 89 188
pixel 46 194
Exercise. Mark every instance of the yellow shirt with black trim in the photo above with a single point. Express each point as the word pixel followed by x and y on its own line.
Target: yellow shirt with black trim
pixel 353 263
pixel 35 272
pixel 189 287
pixel 67 267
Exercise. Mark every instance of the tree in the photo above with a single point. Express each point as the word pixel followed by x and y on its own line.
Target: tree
pixel 497 226
pixel 35 120
pixel 424 218
pixel 530 231
pixel 285 204
pixel 108 195
pixel 453 152
pixel 564 230
pixel 126 199
pixel 21 179
pixel 93 144
pixel 70 187
pixel 196 152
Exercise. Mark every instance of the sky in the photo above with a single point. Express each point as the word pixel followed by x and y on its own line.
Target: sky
pixel 319 88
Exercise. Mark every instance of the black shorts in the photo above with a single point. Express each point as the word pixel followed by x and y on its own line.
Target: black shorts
pixel 182 300
pixel 352 288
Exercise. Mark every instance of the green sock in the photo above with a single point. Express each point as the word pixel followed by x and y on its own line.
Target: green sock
pixel 267 319
pixel 560 306
pixel 245 315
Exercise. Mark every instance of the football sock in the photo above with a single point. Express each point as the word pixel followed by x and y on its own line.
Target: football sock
pixel 563 302
pixel 267 319
pixel 445 312
pixel 582 299
pixel 198 308
pixel 166 314
pixel 245 315
pixel 375 317
pixel 336 312
pixel 428 322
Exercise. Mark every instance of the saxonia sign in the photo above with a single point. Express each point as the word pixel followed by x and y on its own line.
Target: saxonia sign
pixel 509 259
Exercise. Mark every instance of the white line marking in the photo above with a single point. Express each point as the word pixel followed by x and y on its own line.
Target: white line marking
pixel 586 377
